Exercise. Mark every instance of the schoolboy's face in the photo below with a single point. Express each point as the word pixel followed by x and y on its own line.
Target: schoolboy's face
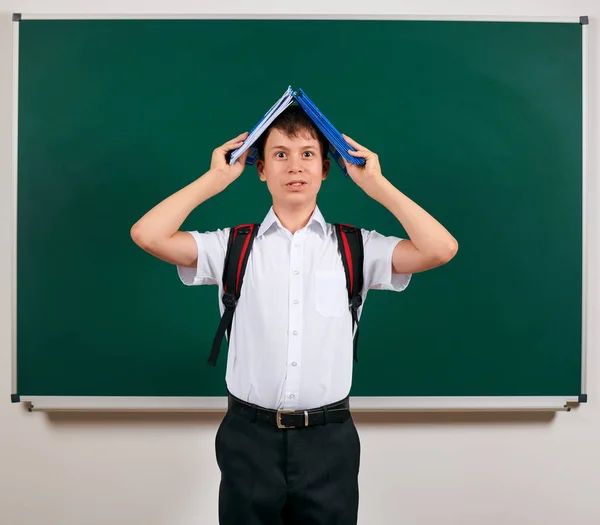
pixel 293 167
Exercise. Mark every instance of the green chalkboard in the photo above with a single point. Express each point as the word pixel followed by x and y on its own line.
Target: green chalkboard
pixel 478 122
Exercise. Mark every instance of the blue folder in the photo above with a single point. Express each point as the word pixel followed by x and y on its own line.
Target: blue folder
pixel 338 147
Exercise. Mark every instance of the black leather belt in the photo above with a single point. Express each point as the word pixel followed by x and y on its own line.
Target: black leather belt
pixel 333 413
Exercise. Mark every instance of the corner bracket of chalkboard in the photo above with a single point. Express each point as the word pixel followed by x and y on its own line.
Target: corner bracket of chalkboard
pixel 16 17
pixel 584 20
pixel 583 398
pixel 15 398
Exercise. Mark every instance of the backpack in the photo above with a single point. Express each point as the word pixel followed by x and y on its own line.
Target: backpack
pixel 239 246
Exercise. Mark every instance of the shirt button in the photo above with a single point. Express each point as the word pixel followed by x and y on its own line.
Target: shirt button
pixel 295 332
pixel 296 301
pixel 292 396
pixel 297 245
pixel 296 272
pixel 294 363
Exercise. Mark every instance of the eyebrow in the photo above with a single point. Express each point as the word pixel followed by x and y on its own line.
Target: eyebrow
pixel 283 147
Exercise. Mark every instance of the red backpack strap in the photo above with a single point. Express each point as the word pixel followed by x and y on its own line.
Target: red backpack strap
pixel 239 246
pixel 351 249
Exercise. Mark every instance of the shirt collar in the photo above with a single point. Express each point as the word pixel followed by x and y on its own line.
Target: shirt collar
pixel 271 218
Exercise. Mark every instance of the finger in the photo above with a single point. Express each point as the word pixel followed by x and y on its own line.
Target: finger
pixel 361 151
pixel 237 140
pixel 241 136
pixel 363 154
pixel 350 167
pixel 352 142
pixel 241 161
pixel 229 146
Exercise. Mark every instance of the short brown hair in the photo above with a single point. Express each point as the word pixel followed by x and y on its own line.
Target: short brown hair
pixel 292 121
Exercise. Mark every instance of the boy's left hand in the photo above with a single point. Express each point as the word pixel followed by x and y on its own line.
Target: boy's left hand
pixel 367 176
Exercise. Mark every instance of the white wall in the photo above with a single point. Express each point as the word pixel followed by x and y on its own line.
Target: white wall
pixel 416 469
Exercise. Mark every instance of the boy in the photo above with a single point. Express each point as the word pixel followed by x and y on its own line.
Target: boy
pixel 291 340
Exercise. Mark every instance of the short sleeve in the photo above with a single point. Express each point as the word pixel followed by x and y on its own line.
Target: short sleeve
pixel 377 268
pixel 212 247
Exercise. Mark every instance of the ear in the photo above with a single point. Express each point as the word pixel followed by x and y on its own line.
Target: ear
pixel 326 166
pixel 260 168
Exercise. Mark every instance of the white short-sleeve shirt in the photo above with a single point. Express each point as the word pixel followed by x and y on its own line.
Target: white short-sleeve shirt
pixel 291 341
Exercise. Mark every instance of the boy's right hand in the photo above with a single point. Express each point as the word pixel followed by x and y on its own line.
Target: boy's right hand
pixel 224 172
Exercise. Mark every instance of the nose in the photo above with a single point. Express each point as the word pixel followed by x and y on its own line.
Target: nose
pixel 294 166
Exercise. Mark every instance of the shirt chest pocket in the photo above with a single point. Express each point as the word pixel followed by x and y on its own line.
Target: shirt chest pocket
pixel 330 293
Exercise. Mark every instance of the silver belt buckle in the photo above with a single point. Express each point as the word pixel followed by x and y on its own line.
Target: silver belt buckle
pixel 281 425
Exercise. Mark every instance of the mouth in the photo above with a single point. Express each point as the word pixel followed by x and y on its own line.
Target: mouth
pixel 296 184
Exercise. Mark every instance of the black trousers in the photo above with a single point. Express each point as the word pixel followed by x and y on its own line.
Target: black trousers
pixel 273 476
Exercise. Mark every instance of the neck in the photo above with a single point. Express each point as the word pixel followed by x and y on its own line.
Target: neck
pixel 294 219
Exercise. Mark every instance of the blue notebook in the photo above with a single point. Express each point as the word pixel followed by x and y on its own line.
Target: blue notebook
pixel 338 147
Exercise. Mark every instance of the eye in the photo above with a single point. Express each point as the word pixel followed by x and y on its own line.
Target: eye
pixel 309 154
pixel 280 154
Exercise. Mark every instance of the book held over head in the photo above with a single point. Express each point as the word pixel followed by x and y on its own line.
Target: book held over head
pixel 338 147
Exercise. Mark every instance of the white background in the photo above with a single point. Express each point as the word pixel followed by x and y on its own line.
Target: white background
pixel 425 469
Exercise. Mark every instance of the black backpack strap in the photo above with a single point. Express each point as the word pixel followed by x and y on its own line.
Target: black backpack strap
pixel 238 250
pixel 351 249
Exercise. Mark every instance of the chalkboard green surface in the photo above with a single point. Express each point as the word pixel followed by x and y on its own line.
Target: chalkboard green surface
pixel 478 122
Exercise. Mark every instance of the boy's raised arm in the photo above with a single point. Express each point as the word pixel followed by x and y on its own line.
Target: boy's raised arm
pixel 157 232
